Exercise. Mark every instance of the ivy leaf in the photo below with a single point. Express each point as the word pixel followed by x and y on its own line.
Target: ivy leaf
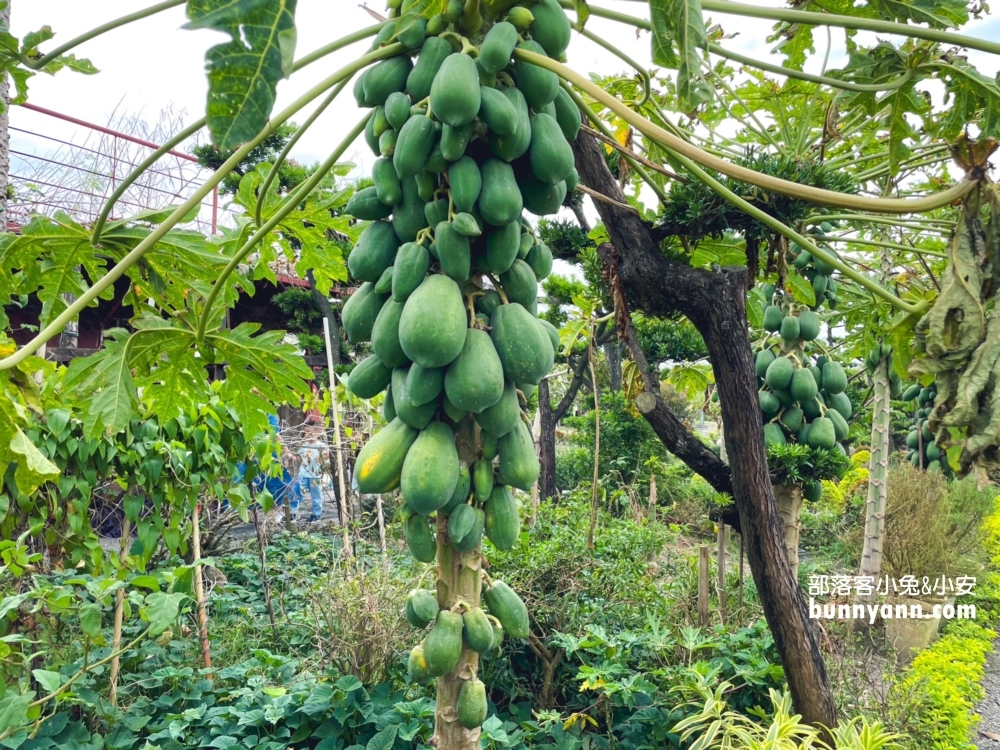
pixel 801 289
pixel 243 73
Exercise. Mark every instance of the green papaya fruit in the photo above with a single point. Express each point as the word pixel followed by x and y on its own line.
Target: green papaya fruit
pixel 359 95
pixel 384 283
pixel 482 479
pixel 497 47
pixel 504 415
pixel 791 419
pixel 471 707
pixel 779 373
pixel 503 524
pixel 567 115
pixel 416 665
pixel 521 17
pixel 466 225
pixel 408 215
pixel 374 252
pixel 819 285
pixel 500 199
pixel 385 335
pixel 366 206
pixel 911 393
pixel 386 149
pixel 487 303
pixel 413 145
pixel 551 27
pixel 460 522
pixel 821 433
pixel 385 77
pixel 490 445
pixel 841 403
pixel 424 385
pixel 789 329
pixel 523 346
pixel 454 141
pixel 498 112
pixel 370 138
pixel 520 285
pixel 505 605
pixel 387 186
pixel 474 537
pixel 809 325
pixel 411 30
pixel 813 491
pixel 388 408
pixel 397 109
pixel 552 331
pixel 514 145
pixel 453 251
pixel 465 182
pixel 433 324
pixel 443 645
pixel 932 451
pixel 455 94
pixel 359 312
pixel 426 185
pixel 572 182
pixel 369 378
pixel 773 434
pixel 933 467
pixel 538 85
pixel 802 436
pixel 540 260
pixel 453 412
pixel 804 259
pixel 384 35
pixel 420 539
pixel 478 630
pixel 462 489
pixel 785 398
pixel 415 415
pixel 432 55
pixel 762 361
pixel 834 378
pixel 549 153
pixel 772 318
pixel 474 381
pixel 501 246
pixel 410 269
pixel 424 605
pixel 840 427
pixel 430 470
pixel 769 404
pixel 803 386
pixel 542 198
pixel 518 461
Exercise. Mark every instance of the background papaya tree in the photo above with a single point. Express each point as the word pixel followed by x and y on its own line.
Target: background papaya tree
pixel 855 121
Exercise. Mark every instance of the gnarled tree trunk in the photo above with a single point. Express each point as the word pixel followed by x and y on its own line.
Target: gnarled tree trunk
pixel 715 302
pixel 549 418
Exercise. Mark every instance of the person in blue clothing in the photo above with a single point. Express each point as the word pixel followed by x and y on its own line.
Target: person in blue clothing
pixel 280 487
pixel 310 473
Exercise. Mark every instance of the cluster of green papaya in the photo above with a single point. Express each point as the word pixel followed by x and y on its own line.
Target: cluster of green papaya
pixel 921 449
pixel 884 349
pixel 817 271
pixel 802 399
pixel 467 140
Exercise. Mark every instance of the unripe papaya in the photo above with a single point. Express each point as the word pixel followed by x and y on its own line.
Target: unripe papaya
pixel 416 666
pixel 567 114
pixel 515 145
pixel 840 427
pixel 791 419
pixel 466 225
pixel 789 329
pixel 366 206
pixel 503 524
pixel 423 384
pixel 552 331
pixel 834 378
pixel 369 378
pixel 411 31
pixel 521 343
pixel 501 418
pixel 455 94
pixel 482 479
pixel 385 77
pixel 414 143
pixel 498 112
pixel 466 183
pixel 423 604
pixel 387 186
pixel 911 393
pixel 773 434
pixel 454 141
pixel 809 325
pixel 549 154
pixel 538 85
pixel 420 539
pixel 433 324
pixel 474 537
pixel 374 252
pixel 384 35
pixel 474 381
pixel 505 605
pixel 821 433
pixel 761 362
pixel 841 403
pixel 385 335
pixel 397 109
pixel 487 303
pixel 409 270
pixel 501 247
pixel 542 198
pixel 478 630
pixel 408 215
pixel 388 408
pixel 497 47
pixel 551 27
pixel 772 318
pixel 453 251
pixel 521 18
pixel 417 416
pixel 461 519
pixel 500 199
pixel 461 493
pixel 453 412
pixel 520 285
pixel 779 373
pixel 430 470
pixel 518 461
pixel 540 260
pixel 443 645
pixel 384 283
pixel 769 404
pixel 432 55
pixel 360 311
pixel 471 708
pixel 813 491
pixel 803 387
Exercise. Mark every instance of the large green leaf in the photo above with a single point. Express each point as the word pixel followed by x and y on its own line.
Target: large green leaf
pixel 682 21
pixel 971 97
pixel 901 102
pixel 106 379
pixel 243 73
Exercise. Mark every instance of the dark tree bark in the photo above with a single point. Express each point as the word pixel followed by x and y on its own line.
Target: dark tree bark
pixel 549 418
pixel 715 303
pixel 613 352
pixel 327 309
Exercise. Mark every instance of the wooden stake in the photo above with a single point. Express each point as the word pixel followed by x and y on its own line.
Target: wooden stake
pixel 703 585
pixel 336 436
pixel 262 549
pixel 116 639
pixel 381 523
pixel 199 591
pixel 651 509
pixel 288 512
pixel 722 571
pixel 741 576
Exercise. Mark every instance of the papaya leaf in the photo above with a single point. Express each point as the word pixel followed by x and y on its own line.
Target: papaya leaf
pixel 971 97
pixel 105 377
pixel 662 37
pixel 683 21
pixel 801 289
pixel 939 14
pixel 901 102
pixel 243 73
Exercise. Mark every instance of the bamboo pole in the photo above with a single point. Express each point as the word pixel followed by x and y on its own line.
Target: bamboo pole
pixel 336 436
pixel 722 570
pixel 199 590
pixel 703 585
pixel 116 639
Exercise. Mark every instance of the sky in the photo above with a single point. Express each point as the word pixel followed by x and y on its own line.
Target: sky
pixel 154 63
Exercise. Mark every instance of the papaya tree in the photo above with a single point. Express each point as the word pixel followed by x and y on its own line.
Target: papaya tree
pixel 475 123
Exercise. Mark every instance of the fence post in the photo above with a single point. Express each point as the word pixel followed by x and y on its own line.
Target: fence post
pixel 722 570
pixel 336 435
pixel 703 585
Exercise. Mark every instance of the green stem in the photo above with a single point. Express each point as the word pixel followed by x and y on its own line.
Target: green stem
pixel 643 73
pixel 916 162
pixel 299 132
pixel 599 123
pixel 325 50
pixel 812 19
pixel 910 224
pixel 879 243
pixel 737 172
pixel 760 130
pixel 801 76
pixel 41 62
pixel 102 219
pixel 286 208
pixel 181 211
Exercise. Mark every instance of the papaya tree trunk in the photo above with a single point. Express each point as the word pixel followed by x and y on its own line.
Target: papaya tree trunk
pixel 458 579
pixel 878 470
pixel 789 500
pixel 715 302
